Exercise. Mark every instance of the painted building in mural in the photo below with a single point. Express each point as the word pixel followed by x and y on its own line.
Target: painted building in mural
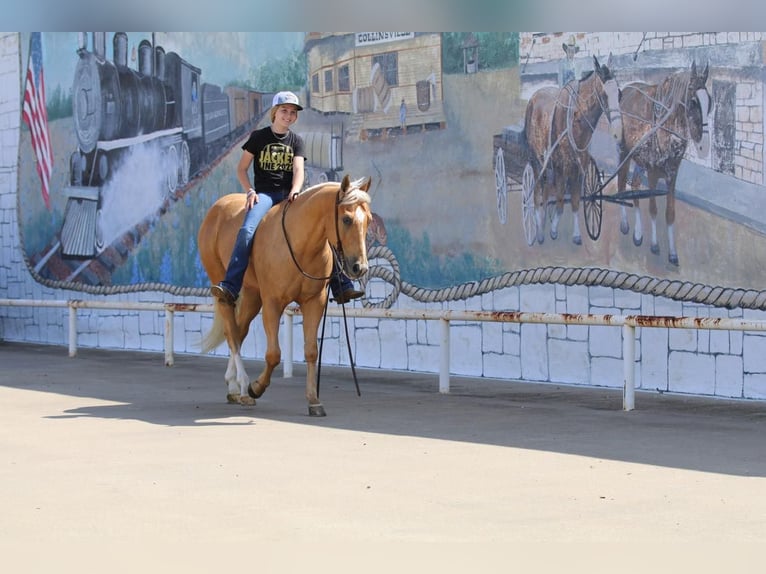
pixel 379 78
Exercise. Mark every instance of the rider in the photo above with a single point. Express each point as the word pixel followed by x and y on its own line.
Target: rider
pixel 277 174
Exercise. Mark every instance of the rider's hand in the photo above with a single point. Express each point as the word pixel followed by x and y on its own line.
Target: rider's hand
pixel 251 200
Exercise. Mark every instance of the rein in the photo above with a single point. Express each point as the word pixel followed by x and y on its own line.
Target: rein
pixel 338 255
pixel 337 252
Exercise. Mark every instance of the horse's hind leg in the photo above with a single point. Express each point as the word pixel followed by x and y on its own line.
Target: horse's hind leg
pixel 236 376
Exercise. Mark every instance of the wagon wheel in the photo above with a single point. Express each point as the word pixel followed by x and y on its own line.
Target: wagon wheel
pixel 501 184
pixel 528 204
pixel 592 200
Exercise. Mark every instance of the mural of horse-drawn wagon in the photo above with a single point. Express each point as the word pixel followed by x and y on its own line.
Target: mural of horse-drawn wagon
pixel 549 156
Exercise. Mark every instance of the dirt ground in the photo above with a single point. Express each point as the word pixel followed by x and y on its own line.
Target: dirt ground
pixel 113 462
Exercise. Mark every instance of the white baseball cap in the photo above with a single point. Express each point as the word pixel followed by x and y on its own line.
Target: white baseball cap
pixel 286 98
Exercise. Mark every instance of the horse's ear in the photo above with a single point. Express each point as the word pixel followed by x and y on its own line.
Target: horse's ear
pixel 596 65
pixel 609 61
pixel 366 184
pixel 704 73
pixel 345 183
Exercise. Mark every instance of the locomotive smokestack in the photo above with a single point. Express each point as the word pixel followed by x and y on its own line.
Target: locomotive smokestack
pixel 99 45
pixel 145 58
pixel 120 47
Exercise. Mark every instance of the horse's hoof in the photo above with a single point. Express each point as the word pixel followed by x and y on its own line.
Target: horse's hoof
pixel 637 241
pixel 624 227
pixel 577 240
pixel 232 399
pixel 247 401
pixel 317 411
pixel 655 249
pixel 554 235
pixel 252 393
pixel 673 259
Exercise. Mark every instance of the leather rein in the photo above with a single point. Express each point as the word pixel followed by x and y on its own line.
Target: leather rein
pixel 337 252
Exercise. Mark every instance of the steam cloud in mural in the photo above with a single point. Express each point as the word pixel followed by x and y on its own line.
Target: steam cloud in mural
pixel 136 189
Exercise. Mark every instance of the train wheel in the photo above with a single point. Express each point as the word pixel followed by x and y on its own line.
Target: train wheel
pixel 99 231
pixel 501 186
pixel 528 204
pixel 592 200
pixel 77 165
pixel 185 165
pixel 103 168
pixel 171 169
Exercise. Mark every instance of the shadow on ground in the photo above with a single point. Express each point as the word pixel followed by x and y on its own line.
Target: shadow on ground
pixel 708 435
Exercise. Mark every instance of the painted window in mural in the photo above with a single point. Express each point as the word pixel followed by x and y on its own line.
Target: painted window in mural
pixel 629 160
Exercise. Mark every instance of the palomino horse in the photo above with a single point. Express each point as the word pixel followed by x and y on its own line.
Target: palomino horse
pixel 559 124
pixel 291 261
pixel 658 122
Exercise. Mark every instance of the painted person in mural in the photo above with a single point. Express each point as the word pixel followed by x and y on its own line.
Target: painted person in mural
pixel 277 156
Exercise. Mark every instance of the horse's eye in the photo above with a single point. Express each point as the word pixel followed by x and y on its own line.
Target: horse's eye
pixel 347 220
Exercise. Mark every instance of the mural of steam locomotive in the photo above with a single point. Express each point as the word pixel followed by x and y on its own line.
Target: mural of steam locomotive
pixel 161 107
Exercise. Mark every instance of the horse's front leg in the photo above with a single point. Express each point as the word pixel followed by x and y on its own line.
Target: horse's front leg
pixel 312 314
pixel 670 217
pixel 655 244
pixel 271 315
pixel 575 199
pixel 622 182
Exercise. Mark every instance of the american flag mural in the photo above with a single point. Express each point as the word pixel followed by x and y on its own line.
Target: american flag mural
pixel 36 116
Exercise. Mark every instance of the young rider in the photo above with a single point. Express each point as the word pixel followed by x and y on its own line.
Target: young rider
pixel 276 154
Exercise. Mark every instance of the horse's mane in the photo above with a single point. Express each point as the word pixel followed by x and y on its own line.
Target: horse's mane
pixel 353 195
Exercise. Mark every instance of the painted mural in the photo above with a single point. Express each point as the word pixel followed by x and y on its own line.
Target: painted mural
pixel 629 160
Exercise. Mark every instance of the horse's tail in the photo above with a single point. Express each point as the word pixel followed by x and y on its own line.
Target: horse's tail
pixel 215 336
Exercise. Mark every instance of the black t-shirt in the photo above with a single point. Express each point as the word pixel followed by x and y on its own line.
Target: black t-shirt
pixel 273 162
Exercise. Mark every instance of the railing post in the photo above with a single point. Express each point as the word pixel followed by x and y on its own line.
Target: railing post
pixel 288 361
pixel 629 367
pixel 445 352
pixel 72 329
pixel 169 320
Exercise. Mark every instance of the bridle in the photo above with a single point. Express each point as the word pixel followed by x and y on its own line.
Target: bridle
pixel 337 251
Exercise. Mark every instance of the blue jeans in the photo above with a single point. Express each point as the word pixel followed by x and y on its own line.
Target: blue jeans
pixel 240 255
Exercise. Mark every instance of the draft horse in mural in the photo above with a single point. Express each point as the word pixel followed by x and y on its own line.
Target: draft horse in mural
pixel 659 120
pixel 291 261
pixel 559 124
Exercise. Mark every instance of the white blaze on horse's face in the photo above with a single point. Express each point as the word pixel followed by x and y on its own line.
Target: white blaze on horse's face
pixel 613 113
pixel 703 146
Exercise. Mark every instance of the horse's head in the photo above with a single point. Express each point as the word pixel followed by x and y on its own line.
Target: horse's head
pixel 609 97
pixel 353 216
pixel 698 109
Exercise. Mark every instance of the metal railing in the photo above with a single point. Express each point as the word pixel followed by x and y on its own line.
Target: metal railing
pixel 627 323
